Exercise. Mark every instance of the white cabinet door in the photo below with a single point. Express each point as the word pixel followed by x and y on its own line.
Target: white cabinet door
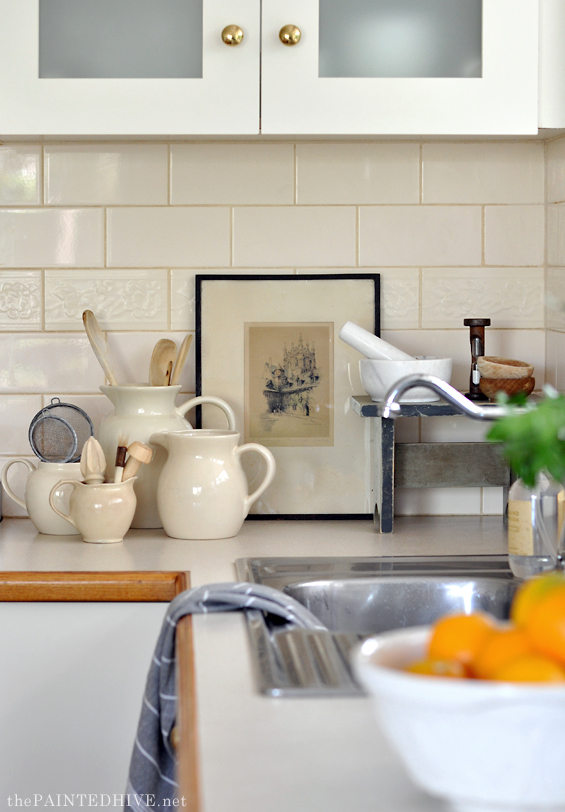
pixel 301 95
pixel 220 95
pixel 71 689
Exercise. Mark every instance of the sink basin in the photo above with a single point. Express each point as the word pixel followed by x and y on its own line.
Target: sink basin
pixel 357 597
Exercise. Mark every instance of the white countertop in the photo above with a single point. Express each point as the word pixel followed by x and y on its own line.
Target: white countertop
pixel 259 754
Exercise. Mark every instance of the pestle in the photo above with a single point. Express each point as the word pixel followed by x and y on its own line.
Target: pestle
pixel 369 345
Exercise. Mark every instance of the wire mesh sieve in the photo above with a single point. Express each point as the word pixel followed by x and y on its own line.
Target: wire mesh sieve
pixel 59 431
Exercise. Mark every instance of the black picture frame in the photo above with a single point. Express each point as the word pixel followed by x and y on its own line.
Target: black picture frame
pixel 221 314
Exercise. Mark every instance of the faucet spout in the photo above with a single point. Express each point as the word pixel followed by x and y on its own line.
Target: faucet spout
pixel 391 406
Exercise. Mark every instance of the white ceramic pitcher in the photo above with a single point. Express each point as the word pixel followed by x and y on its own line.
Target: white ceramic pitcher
pixel 39 484
pixel 202 492
pixel 139 412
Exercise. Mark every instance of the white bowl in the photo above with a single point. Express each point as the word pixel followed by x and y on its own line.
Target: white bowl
pixel 486 746
pixel 379 376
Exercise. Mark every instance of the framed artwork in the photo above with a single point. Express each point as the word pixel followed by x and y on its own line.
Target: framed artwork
pixel 269 346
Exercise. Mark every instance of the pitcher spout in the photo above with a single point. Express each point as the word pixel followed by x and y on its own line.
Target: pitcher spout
pixel 160 438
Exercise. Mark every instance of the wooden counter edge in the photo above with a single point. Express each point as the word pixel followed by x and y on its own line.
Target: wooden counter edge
pixel 186 722
pixel 130 585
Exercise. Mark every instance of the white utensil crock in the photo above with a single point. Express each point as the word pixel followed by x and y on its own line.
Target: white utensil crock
pixel 202 492
pixel 102 513
pixel 36 497
pixel 139 412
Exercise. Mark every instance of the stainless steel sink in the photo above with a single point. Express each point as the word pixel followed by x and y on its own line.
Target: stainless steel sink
pixel 356 597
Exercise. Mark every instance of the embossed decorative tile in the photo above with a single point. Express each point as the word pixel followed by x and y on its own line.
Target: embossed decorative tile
pixel 183 304
pixel 121 300
pixel 400 294
pixel 400 298
pixel 20 300
pixel 510 297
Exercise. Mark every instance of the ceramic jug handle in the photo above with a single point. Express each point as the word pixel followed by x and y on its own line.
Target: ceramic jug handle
pixel 269 476
pixel 221 404
pixel 52 494
pixel 7 488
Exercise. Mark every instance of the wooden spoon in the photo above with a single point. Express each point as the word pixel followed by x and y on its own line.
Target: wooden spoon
pixel 164 353
pixel 99 345
pixel 181 359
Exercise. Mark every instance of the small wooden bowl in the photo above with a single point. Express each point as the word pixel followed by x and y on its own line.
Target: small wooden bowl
pixel 492 367
pixel 511 386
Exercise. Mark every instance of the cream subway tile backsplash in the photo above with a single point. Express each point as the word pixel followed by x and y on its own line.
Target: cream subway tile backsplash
pixel 154 237
pixel 493 501
pixel 514 235
pixel 357 173
pixel 290 236
pixel 512 297
pixel 483 173
pixel 555 299
pixel 232 174
pixel 37 363
pixel 106 174
pixel 121 300
pixel 437 501
pixel 38 238
pixel 131 353
pixel 21 300
pixel 556 235
pixel 455 429
pixel 527 345
pixel 420 235
pixel 555 158
pixel 183 302
pixel 555 353
pixel 96 406
pixel 20 175
pixel 16 413
pixel 400 295
pixel 455 229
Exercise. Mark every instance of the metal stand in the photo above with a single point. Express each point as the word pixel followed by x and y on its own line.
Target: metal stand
pixel 425 465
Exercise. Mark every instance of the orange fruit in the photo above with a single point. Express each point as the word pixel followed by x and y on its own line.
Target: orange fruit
pixel 545 625
pixel 438 668
pixel 531 592
pixel 458 637
pixel 531 668
pixel 498 649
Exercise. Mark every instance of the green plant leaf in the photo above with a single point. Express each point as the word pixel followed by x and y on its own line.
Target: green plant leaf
pixel 533 438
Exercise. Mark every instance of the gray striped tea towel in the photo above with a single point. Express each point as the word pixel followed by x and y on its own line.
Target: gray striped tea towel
pixel 151 782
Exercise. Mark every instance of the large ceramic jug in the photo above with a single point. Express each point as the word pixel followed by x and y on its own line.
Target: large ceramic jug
pixel 202 492
pixel 139 412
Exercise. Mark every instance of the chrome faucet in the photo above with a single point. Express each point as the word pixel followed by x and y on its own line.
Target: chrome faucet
pixel 391 407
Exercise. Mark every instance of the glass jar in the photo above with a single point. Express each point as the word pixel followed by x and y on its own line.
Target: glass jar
pixel 534 522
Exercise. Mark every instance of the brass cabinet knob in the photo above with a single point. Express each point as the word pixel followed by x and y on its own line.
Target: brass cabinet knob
pixel 289 35
pixel 232 35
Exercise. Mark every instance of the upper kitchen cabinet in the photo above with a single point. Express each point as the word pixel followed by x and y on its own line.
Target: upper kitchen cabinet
pixel 303 67
pixel 400 66
pixel 128 67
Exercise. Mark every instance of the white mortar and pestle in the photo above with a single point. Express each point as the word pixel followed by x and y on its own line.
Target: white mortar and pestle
pixel 384 365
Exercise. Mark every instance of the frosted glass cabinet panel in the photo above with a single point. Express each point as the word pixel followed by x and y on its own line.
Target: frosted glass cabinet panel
pixel 128 67
pixel 393 38
pixel 128 39
pixel 401 67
